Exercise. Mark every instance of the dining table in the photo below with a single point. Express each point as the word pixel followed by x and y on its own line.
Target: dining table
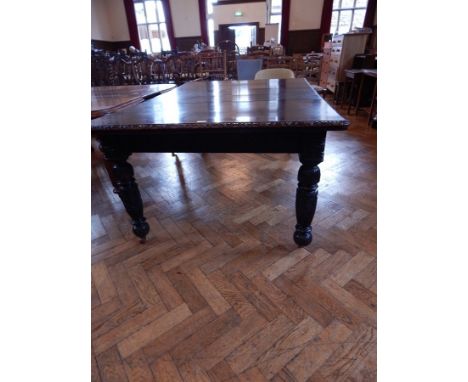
pixel 248 116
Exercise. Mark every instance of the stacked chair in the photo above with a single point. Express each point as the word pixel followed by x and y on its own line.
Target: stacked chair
pixel 221 63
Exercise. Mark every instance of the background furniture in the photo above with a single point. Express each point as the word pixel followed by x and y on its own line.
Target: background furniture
pixel 136 68
pixel 222 116
pixel 366 75
pixel 211 65
pixel 364 61
pixel 278 73
pixel 278 62
pixel 343 49
pixel 353 89
pixel 313 64
pixel 246 69
pixel 350 86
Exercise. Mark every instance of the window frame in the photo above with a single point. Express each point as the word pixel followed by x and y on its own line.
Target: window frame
pixel 340 9
pixel 210 16
pixel 147 25
pixel 271 13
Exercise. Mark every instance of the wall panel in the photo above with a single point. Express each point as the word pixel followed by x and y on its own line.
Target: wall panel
pixel 305 14
pixel 185 18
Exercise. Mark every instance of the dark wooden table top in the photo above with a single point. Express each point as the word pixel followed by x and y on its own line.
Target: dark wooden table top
pixel 107 99
pixel 370 72
pixel 351 73
pixel 285 104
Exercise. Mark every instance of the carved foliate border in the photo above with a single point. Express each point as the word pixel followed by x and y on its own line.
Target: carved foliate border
pixel 338 125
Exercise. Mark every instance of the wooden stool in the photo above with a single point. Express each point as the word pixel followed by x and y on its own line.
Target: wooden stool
pixel 353 77
pixel 365 73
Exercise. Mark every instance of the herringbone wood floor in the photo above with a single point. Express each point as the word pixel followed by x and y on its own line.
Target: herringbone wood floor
pixel 220 291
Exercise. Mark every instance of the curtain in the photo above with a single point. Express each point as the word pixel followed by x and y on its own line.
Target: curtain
pixel 203 21
pixel 132 24
pixel 370 14
pixel 170 28
pixel 326 17
pixel 285 10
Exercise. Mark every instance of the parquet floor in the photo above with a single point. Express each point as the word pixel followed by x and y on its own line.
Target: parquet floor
pixel 220 292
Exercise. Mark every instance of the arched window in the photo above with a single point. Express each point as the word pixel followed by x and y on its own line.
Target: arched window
pixel 347 15
pixel 152 26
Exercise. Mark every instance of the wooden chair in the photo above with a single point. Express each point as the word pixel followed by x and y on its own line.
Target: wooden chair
pixel 182 67
pixel 100 67
pixel 228 46
pixel 105 68
pixel 142 70
pixel 313 67
pixel 211 65
pixel 157 71
pixel 231 53
pixel 298 65
pixel 259 50
pixel 258 54
pixel 278 62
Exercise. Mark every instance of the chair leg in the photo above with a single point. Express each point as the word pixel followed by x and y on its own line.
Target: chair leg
pixel 371 112
pixel 350 95
pixel 344 94
pixel 359 95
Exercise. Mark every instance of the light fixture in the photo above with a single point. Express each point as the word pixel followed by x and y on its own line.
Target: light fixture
pixel 238 13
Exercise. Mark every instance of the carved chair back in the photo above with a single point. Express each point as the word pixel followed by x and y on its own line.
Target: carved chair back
pixel 272 62
pixel 210 65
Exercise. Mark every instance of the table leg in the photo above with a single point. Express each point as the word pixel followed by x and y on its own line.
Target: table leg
pixel 121 175
pixel 306 196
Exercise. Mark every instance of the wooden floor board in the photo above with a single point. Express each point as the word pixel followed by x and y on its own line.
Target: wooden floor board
pixel 220 292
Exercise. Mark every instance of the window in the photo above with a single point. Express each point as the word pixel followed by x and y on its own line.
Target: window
pixel 210 21
pixel 347 15
pixel 152 28
pixel 274 14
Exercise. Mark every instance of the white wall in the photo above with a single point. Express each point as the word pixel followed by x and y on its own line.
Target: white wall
pixel 305 14
pixel 185 18
pixel 100 28
pixel 252 12
pixel 118 20
pixel 108 20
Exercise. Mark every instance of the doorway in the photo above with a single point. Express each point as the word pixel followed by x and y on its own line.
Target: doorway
pixel 243 34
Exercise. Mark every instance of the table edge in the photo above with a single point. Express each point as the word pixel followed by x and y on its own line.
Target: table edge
pixel 329 125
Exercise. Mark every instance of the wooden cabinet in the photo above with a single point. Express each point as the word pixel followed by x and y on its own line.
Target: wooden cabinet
pixel 340 53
